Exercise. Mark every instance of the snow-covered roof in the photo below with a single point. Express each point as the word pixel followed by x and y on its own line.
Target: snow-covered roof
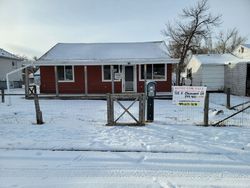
pixel 5 54
pixel 246 45
pixel 216 59
pixel 107 53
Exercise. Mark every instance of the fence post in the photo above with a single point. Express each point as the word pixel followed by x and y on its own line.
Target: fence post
pixel 112 118
pixel 2 92
pixel 228 105
pixel 108 109
pixel 39 116
pixel 142 108
pixel 26 83
pixel 206 108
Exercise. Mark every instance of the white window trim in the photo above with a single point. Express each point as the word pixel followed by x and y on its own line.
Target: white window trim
pixel 159 80
pixel 73 74
pixel 110 72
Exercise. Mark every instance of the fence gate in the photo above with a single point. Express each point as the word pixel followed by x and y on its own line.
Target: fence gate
pixel 133 97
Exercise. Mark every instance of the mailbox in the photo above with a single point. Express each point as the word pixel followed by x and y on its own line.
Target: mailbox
pixel 151 92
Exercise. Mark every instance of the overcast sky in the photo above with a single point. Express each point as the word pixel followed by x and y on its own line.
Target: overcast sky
pixel 31 27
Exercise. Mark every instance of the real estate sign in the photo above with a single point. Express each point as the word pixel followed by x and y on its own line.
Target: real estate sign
pixel 189 95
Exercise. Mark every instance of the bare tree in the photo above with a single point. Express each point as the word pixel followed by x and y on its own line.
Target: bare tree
pixel 188 34
pixel 228 41
pixel 22 57
pixel 35 58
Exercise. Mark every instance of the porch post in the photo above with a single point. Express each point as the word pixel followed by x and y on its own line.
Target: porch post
pixel 85 80
pixel 145 78
pixel 56 81
pixel 112 79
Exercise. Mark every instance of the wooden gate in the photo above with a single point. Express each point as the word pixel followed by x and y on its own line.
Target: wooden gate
pixel 111 98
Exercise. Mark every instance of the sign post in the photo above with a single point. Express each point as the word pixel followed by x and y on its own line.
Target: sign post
pixel 206 108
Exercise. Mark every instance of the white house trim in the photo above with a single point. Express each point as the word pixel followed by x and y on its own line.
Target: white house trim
pixel 73 75
pixel 158 80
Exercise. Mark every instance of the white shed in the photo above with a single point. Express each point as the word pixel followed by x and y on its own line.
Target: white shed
pixel 208 70
pixel 242 51
pixel 8 63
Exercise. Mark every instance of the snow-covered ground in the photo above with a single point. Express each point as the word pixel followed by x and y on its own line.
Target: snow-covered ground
pixel 170 152
pixel 120 169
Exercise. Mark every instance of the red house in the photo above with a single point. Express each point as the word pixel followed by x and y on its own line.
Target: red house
pixel 86 68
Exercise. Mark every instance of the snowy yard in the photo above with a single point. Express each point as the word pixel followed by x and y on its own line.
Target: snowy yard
pixel 171 147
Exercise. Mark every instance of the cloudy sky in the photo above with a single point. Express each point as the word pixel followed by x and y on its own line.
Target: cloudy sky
pixel 31 27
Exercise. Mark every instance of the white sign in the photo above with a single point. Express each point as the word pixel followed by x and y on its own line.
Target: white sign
pixel 189 95
pixel 118 76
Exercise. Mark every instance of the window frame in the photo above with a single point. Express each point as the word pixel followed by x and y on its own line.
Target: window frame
pixel 165 75
pixel 110 80
pixel 64 67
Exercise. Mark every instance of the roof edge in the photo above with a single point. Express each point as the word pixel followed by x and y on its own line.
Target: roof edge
pixel 106 62
pixel 48 51
pixel 12 56
pixel 132 42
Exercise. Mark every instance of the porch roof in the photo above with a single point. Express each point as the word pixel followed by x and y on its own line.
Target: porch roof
pixel 107 54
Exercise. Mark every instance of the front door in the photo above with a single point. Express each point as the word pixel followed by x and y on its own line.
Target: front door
pixel 129 78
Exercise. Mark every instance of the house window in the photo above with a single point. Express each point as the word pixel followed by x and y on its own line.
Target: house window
pixel 65 73
pixel 106 71
pixel 154 72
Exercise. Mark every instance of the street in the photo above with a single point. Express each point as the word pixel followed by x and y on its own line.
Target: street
pixel 41 168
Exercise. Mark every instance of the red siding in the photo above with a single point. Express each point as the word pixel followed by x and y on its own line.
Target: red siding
pixel 95 84
pixel 48 81
pixel 47 76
